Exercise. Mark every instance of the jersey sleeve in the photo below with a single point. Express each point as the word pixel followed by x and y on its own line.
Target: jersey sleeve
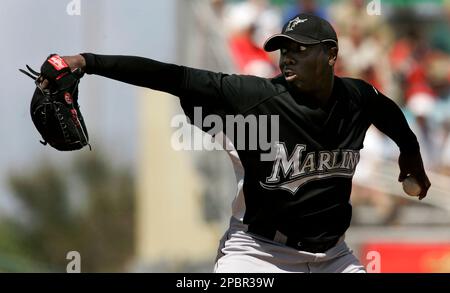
pixel 137 71
pixel 230 94
pixel 221 94
pixel 385 115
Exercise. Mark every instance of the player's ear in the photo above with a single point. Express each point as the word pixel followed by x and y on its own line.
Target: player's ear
pixel 332 56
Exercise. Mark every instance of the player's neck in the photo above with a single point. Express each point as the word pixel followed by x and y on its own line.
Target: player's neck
pixel 322 97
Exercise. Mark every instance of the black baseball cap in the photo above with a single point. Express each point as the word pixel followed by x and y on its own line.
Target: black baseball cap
pixel 304 28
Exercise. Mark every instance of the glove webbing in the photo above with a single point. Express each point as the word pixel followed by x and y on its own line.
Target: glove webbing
pixel 35 76
pixel 63 126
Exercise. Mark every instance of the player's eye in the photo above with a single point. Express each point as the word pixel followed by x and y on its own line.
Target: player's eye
pixel 283 51
pixel 302 48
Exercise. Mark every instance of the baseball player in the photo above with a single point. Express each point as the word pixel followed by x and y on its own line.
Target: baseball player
pixel 291 213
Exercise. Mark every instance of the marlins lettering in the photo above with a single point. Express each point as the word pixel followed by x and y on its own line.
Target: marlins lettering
pixel 297 171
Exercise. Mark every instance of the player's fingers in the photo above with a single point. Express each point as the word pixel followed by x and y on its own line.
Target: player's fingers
pixel 402 176
pixel 423 194
pixel 423 180
pixel 44 84
pixel 425 184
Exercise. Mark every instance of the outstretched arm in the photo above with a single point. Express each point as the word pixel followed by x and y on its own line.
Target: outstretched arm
pixel 218 93
pixel 214 92
pixel 389 119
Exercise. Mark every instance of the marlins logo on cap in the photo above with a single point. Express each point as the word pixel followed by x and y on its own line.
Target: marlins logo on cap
pixel 293 23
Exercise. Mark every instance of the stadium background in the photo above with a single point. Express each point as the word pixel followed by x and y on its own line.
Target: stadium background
pixel 135 204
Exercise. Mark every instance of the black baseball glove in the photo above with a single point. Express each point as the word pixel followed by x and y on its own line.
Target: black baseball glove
pixel 54 108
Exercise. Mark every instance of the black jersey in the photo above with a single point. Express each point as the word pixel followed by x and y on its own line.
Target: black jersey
pixel 304 192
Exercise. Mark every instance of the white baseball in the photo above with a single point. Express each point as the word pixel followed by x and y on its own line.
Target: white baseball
pixel 411 187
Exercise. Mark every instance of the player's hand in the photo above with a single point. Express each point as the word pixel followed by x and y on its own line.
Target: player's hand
pixel 411 164
pixel 75 61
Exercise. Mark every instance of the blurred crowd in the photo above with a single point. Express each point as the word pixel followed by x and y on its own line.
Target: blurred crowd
pixel 402 51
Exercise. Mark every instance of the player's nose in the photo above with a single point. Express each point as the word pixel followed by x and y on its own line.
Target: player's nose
pixel 287 59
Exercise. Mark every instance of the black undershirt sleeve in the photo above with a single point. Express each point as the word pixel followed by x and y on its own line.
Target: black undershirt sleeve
pixel 137 71
pixel 389 119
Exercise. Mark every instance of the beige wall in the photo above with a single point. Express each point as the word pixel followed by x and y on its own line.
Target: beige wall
pixel 169 215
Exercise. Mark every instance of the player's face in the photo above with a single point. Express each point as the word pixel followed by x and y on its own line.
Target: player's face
pixel 304 66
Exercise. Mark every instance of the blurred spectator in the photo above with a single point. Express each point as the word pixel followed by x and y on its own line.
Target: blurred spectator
pixel 248 23
pixel 268 21
pixel 361 56
pixel 304 6
pixel 218 6
pixel 408 57
pixel 445 158
pixel 422 105
pixel 418 67
pixel 366 184
pixel 438 73
pixel 440 32
pixel 346 13
pixel 442 116
pixel 363 44
pixel 343 13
